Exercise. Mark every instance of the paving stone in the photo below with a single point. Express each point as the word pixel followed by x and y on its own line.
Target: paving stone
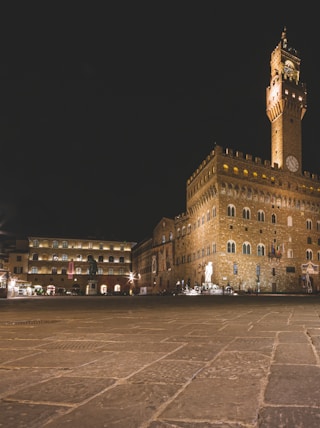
pixel 250 362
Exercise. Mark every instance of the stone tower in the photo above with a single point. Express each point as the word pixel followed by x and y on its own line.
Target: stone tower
pixel 286 101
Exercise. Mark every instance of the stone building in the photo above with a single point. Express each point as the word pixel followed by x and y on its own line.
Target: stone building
pixel 256 223
pixel 64 265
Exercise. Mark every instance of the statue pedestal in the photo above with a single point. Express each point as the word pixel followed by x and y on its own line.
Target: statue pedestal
pixel 92 287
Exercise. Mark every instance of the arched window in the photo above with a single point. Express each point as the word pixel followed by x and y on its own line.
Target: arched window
pixel 309 224
pixel 273 218
pixel 246 213
pixel 111 259
pixel 289 221
pixel 231 247
pixel 309 254
pixel 261 216
pixel 231 212
pixel 261 250
pixel 246 248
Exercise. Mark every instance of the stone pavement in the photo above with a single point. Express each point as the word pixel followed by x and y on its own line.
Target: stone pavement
pixel 160 362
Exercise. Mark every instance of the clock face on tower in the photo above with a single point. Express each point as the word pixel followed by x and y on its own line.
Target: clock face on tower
pixel 292 163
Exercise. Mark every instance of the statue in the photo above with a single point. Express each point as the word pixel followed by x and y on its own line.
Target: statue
pixel 208 273
pixel 93 267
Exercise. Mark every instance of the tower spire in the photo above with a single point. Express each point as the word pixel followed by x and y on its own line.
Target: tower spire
pixel 284 38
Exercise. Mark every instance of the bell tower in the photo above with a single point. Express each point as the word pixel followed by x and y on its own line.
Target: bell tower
pixel 286 104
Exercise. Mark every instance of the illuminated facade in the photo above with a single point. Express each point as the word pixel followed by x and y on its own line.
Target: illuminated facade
pixel 64 263
pixel 257 222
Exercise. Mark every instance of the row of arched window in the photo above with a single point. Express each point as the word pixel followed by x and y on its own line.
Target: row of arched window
pixel 77 271
pixel 79 258
pixel 66 244
pixel 246 214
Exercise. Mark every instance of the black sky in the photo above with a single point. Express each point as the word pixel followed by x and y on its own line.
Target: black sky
pixel 105 114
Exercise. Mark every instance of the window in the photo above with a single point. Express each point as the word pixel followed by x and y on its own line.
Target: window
pixel 64 244
pixel 309 254
pixel 35 243
pixel 35 256
pixel 55 244
pixel 17 270
pixel 261 215
pixel 64 271
pixel 19 258
pixel 246 248
pixel 111 259
pixel 290 254
pixel 309 240
pixel 34 269
pixel 78 270
pixel 214 212
pixel 54 271
pixel 110 271
pixel 121 259
pixel 64 257
pixel 309 224
pixel 289 221
pixel 231 247
pixel 231 212
pixel 100 259
pixel 261 250
pixel 246 213
pixel 273 219
pixel 208 215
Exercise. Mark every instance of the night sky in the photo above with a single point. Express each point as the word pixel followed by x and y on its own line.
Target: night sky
pixel 105 114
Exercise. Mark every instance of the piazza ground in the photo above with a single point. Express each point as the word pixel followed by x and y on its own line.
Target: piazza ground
pixel 160 362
